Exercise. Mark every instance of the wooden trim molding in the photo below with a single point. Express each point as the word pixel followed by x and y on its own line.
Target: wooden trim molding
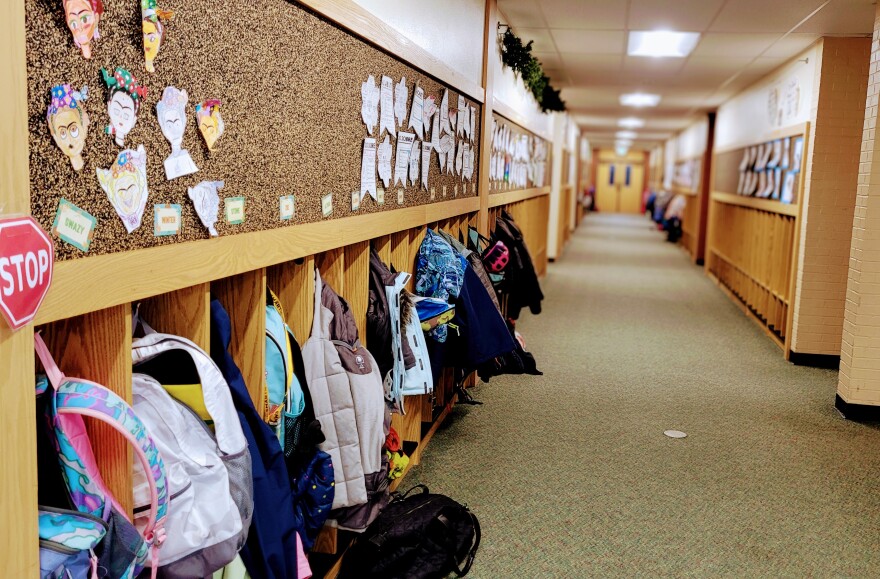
pixel 792 131
pixel 498 199
pixel 754 203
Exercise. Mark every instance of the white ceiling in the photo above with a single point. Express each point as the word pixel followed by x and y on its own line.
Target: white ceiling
pixel 582 45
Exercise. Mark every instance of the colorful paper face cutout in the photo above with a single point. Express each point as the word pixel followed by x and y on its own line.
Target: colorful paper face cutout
pixel 123 102
pixel 207 203
pixel 171 111
pixel 126 186
pixel 68 121
pixel 210 122
pixel 153 28
pixel 82 18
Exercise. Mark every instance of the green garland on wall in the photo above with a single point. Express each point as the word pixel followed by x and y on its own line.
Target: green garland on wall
pixel 519 57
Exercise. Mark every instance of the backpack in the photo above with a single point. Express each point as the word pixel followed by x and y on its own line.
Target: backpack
pixel 439 274
pixel 284 395
pixel 417 536
pixel 98 521
pixel 178 390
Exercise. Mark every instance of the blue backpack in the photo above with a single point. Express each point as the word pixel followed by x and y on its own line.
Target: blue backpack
pixel 284 400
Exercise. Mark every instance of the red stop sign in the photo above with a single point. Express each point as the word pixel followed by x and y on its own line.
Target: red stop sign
pixel 26 258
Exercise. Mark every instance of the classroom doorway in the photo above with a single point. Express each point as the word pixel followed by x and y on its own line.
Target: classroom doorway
pixel 620 184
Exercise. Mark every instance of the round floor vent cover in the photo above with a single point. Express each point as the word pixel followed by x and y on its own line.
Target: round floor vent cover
pixel 675 434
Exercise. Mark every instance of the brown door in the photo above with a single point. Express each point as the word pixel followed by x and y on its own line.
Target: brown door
pixel 619 188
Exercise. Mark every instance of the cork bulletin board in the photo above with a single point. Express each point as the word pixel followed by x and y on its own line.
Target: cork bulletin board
pixel 498 184
pixel 289 82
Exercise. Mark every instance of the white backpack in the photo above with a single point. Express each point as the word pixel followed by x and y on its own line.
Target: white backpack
pixel 209 473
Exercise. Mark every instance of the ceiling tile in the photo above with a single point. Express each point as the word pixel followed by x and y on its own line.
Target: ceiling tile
pixel 543 42
pixel 653 67
pixel 548 59
pixel 521 13
pixel 791 45
pixel 766 64
pixel 558 77
pixel 686 16
pixel 585 14
pixel 762 15
pixel 589 41
pixel 843 17
pixel 739 44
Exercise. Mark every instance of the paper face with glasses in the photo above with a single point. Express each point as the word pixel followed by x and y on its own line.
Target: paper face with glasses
pixel 125 184
pixel 68 121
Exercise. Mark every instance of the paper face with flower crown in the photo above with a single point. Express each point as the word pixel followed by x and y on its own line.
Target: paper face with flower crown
pixel 68 121
pixel 82 17
pixel 153 27
pixel 210 122
pixel 171 111
pixel 123 102
pixel 207 202
pixel 125 184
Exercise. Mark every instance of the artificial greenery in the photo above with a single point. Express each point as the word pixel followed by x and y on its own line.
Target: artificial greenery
pixel 519 57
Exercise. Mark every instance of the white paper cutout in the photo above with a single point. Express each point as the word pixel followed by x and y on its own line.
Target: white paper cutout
pixel 206 199
pixel 435 132
pixel 473 162
pixel 447 143
pixel 450 162
pixel 386 101
pixel 368 168
pixel 426 163
pixel 171 111
pixel 125 184
pixel 444 112
pixel 415 112
pixel 462 117
pixel 466 162
pixel 453 119
pixel 430 107
pixel 458 157
pixel 370 103
pixel 401 96
pixel 401 165
pixel 414 158
pixel 473 116
pixel 384 161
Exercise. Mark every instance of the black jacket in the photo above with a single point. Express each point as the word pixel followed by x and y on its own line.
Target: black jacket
pixel 521 280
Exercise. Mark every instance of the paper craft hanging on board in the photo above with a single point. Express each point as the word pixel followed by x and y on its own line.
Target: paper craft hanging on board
pixel 384 161
pixel 401 160
pixel 458 158
pixel 123 102
pixel 450 162
pixel 125 184
pixel 401 97
pixel 415 112
pixel 415 158
pixel 153 21
pixel 368 168
pixel 206 199
pixel 386 107
pixel 472 116
pixel 210 121
pixel 473 162
pixel 370 103
pixel 426 163
pixel 82 18
pixel 444 112
pixel 435 132
pixel 429 108
pixel 68 121
pixel 466 162
pixel 453 119
pixel 171 111
pixel 461 116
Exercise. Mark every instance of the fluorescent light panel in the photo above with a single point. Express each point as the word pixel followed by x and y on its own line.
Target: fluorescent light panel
pixel 631 123
pixel 640 99
pixel 662 43
pixel 629 135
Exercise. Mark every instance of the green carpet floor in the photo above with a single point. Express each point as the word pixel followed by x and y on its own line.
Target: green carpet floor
pixel 571 475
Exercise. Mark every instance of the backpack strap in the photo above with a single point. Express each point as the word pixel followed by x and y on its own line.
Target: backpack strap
pixel 317 330
pixel 93 400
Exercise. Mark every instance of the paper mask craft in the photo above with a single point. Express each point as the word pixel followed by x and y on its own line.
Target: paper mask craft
pixel 210 122
pixel 123 102
pixel 207 202
pixel 68 121
pixel 153 28
pixel 82 17
pixel 125 184
pixel 171 111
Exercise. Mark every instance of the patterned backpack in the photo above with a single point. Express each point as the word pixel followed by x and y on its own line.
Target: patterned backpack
pixel 97 535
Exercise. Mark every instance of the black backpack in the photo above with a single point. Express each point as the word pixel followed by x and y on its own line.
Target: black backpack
pixel 417 536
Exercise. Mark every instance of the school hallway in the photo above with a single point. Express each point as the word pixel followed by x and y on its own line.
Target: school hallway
pixel 571 474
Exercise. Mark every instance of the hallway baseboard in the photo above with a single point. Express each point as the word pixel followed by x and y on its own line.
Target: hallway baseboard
pixel 826 361
pixel 857 412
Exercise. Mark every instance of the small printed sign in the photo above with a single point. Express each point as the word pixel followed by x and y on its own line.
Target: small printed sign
pixel 400 196
pixel 234 210
pixel 444 191
pixel 287 207
pixel 433 193
pixel 474 188
pixel 327 205
pixel 74 225
pixel 380 196
pixel 166 219
pixel 455 191
pixel 355 200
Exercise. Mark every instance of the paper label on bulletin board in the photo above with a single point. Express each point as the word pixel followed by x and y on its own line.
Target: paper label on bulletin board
pixel 166 219
pixel 380 196
pixel 74 225
pixel 400 196
pixel 287 207
pixel 234 210
pixel 355 200
pixel 327 205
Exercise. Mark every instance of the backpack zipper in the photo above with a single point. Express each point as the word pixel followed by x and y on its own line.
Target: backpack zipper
pixel 146 507
pixel 71 512
pixel 58 547
pixel 409 512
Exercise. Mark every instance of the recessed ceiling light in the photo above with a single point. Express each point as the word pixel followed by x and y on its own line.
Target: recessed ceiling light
pixel 625 135
pixel 621 149
pixel 631 123
pixel 623 143
pixel 659 43
pixel 639 99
